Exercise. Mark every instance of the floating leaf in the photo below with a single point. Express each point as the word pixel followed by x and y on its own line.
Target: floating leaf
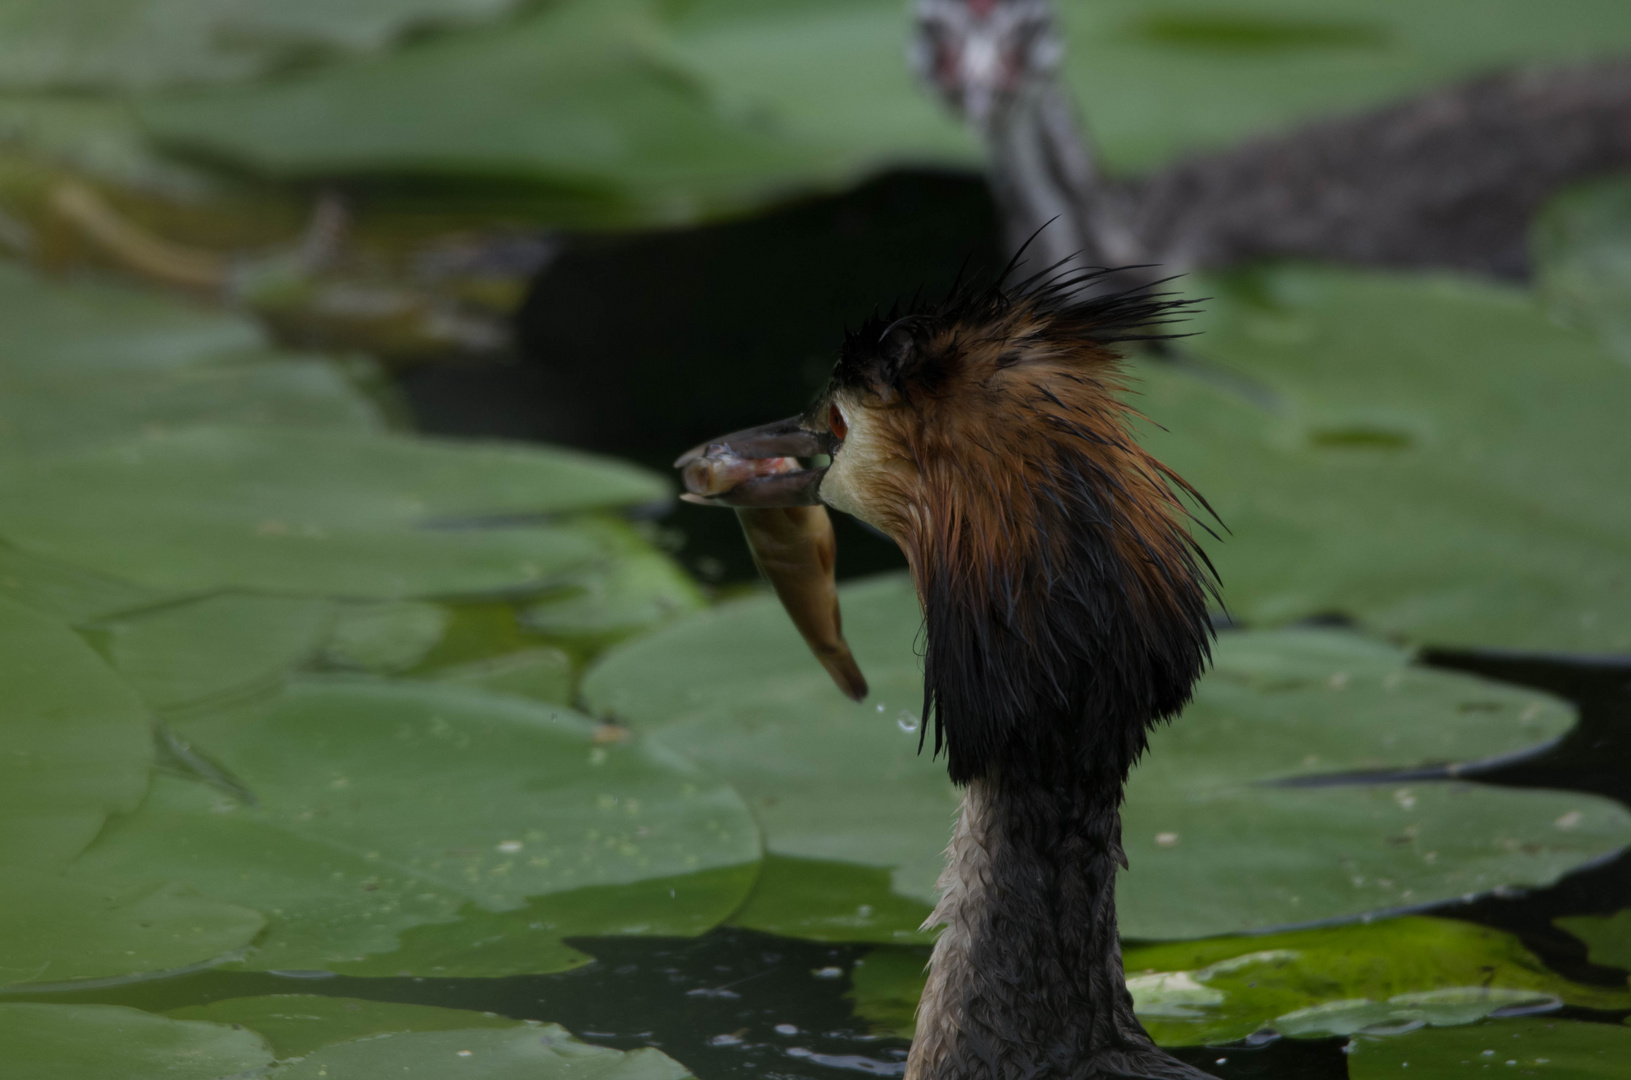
pixel 1430 457
pixel 530 1052
pixel 1311 983
pixel 1273 856
pixel 86 364
pixel 388 637
pixel 733 690
pixel 529 939
pixel 44 416
pixel 101 329
pixel 111 1042
pixel 77 742
pixel 131 44
pixel 637 589
pixel 1607 937
pixel 62 929
pixel 294 1025
pixel 382 807
pixel 376 516
pixel 1556 1049
pixel 576 94
pixel 830 901
pixel 674 112
pixel 540 674
pixel 218 646
pixel 1582 247
pixel 97 137
pixel 65 593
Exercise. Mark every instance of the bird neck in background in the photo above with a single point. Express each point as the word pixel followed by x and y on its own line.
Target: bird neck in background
pixel 1026 978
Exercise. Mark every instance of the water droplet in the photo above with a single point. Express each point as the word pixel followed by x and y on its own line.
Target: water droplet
pixel 907 721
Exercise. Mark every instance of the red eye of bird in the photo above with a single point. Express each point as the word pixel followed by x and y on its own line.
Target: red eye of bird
pixel 835 421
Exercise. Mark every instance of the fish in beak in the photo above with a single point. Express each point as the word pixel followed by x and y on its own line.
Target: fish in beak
pixel 759 473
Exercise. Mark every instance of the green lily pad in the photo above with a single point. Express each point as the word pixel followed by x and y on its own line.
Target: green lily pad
pixel 381 807
pixel 1582 251
pixel 1431 458
pixel 78 742
pixel 1305 983
pixel 196 651
pixel 1159 81
pixel 294 1025
pixel 61 929
pixel 1607 937
pixel 529 1052
pixel 734 690
pixel 42 416
pixel 111 1042
pixel 675 112
pixel 1531 1047
pixel 1277 856
pixel 133 44
pixel 530 939
pixel 84 364
pixel 387 637
pixel 638 589
pixel 375 516
pixel 96 137
pixel 100 329
pixel 64 592
pixel 540 674
pixel 830 901
pixel 886 986
pixel 576 94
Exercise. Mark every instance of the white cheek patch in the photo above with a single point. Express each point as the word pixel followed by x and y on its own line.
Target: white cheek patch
pixel 845 486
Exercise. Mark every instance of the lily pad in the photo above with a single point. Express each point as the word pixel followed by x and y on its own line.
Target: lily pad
pixel 1607 937
pixel 1426 454
pixel 78 742
pixel 577 94
pixel 42 416
pixel 540 674
pixel 1555 1049
pixel 94 328
pixel 675 112
pixel 1582 250
pixel 387 637
pixel 375 516
pixel 638 588
pixel 83 364
pixel 64 592
pixel 135 44
pixel 529 1052
pixel 734 690
pixel 294 1025
pixel 196 651
pixel 62 929
pixel 1277 856
pixel 111 1042
pixel 830 901
pixel 531 939
pixel 1397 973
pixel 382 807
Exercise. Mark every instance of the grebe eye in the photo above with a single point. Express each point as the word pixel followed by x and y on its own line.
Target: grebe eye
pixel 835 421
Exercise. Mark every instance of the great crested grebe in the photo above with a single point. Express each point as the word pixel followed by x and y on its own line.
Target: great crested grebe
pixel 1065 607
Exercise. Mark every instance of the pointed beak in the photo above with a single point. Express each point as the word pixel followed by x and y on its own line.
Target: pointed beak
pixel 777 501
pixel 758 467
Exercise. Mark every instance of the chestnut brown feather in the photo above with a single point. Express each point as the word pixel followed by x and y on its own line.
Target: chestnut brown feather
pixel 1065 601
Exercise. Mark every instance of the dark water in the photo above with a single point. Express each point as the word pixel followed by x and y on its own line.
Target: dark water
pixel 643 345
